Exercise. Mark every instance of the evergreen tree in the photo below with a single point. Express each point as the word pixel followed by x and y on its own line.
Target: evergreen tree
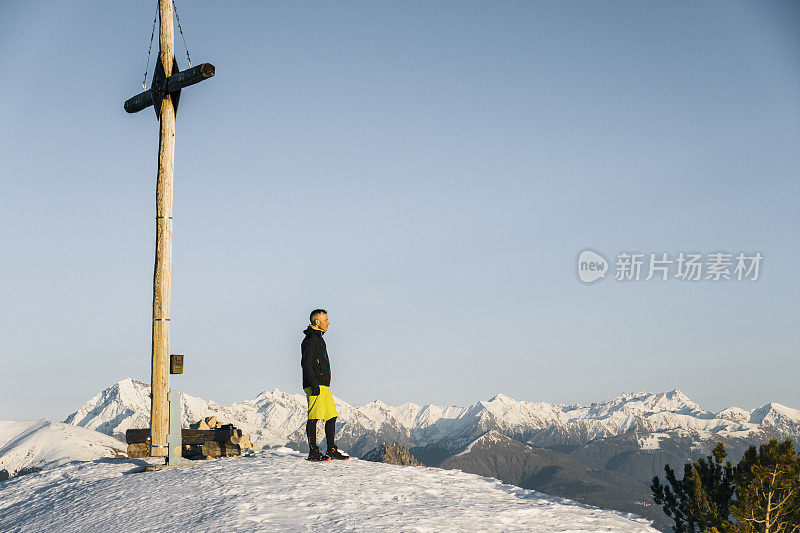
pixel 701 501
pixel 768 489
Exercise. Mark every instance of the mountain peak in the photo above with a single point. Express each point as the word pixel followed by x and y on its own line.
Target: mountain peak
pixel 502 398
pixel 774 414
pixel 734 414
pixel 278 397
pixel 673 401
pixel 490 437
pixel 676 394
pixel 127 399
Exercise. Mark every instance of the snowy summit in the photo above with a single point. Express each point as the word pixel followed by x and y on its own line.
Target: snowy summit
pixel 278 490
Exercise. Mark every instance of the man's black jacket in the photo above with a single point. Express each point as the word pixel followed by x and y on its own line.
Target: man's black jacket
pixel 314 360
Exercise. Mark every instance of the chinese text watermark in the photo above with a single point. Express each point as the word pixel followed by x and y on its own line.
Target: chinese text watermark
pixel 684 266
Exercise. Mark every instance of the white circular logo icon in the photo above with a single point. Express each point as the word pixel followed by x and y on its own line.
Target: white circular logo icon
pixel 591 266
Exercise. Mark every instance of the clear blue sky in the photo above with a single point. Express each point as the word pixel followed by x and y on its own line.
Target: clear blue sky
pixel 426 171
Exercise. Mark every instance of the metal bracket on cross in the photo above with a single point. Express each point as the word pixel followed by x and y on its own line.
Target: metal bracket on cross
pixel 163 86
pixel 158 89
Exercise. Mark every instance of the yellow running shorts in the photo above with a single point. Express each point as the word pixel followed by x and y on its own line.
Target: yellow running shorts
pixel 320 406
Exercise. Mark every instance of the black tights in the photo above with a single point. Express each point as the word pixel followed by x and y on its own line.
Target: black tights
pixel 330 429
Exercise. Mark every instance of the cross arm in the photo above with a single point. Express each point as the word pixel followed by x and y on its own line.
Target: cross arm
pixel 175 83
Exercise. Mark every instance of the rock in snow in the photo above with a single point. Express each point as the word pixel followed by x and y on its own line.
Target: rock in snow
pixel 393 453
pixel 277 490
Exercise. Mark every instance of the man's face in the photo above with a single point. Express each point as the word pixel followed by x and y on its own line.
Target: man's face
pixel 322 322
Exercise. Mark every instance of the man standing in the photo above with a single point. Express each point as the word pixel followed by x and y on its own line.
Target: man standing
pixel 316 384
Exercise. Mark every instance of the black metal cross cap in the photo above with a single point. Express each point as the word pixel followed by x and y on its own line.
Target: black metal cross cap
pixel 163 86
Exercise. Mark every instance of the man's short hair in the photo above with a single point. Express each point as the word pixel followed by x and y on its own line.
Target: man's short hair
pixel 315 313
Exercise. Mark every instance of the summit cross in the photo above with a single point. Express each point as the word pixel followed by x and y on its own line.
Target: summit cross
pixel 163 95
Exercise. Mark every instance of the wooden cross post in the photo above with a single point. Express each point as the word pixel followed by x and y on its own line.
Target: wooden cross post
pixel 163 96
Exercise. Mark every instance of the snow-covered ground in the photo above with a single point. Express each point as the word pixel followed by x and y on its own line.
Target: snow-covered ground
pixel 43 444
pixel 277 490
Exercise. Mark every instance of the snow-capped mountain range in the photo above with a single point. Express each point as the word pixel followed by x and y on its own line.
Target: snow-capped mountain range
pixel 278 418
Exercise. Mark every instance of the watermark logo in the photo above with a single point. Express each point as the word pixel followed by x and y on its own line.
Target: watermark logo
pixel 684 266
pixel 591 266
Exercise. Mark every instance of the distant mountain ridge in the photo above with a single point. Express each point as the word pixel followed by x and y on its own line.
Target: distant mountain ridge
pixel 496 455
pixel 277 418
